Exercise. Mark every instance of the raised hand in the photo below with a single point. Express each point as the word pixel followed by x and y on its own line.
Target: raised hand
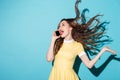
pixel 54 36
pixel 106 48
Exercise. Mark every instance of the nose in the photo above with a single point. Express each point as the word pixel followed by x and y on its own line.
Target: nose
pixel 59 28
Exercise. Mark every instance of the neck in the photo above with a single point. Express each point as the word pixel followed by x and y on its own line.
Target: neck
pixel 68 38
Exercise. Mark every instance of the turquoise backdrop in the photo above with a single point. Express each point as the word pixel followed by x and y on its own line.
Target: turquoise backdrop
pixel 25 34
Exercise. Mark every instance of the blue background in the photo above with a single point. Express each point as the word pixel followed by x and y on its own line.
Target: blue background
pixel 25 34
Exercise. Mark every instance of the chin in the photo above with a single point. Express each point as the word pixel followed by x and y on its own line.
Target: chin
pixel 62 36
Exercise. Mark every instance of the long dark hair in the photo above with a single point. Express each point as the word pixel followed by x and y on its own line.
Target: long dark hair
pixel 90 33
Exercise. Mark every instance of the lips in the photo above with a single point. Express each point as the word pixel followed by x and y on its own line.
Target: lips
pixel 61 32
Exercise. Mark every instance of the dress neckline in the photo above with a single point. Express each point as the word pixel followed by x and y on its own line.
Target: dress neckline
pixel 68 41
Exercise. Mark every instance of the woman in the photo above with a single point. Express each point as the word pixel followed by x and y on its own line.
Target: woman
pixel 77 37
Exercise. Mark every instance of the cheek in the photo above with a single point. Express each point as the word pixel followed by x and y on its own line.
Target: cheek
pixel 66 30
pixel 69 30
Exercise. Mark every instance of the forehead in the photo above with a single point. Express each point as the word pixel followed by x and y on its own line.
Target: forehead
pixel 63 22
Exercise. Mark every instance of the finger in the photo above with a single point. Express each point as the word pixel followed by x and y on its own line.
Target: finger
pixel 112 51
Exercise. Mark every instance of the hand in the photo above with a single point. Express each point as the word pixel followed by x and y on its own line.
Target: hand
pixel 54 36
pixel 109 50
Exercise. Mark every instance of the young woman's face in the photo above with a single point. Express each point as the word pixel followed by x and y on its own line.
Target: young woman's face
pixel 64 29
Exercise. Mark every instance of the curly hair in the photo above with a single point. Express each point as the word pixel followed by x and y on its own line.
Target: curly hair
pixel 90 33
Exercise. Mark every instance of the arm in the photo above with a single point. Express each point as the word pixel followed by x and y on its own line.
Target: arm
pixel 90 63
pixel 50 54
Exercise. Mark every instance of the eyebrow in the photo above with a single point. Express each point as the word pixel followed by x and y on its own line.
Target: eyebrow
pixel 62 23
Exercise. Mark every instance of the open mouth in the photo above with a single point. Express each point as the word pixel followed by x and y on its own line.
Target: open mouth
pixel 61 32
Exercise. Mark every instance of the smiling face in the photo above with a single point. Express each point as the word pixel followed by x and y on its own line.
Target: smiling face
pixel 65 29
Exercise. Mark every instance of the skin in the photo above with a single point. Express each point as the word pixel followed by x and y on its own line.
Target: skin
pixel 65 32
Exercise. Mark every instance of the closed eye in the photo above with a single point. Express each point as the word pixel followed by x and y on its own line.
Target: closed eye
pixel 63 24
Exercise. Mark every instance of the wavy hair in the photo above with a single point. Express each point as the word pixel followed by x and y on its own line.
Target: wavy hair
pixel 89 32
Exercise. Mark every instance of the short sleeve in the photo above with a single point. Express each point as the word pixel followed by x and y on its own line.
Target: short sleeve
pixel 80 50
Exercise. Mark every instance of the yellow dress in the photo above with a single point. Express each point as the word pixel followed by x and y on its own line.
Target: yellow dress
pixel 64 60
